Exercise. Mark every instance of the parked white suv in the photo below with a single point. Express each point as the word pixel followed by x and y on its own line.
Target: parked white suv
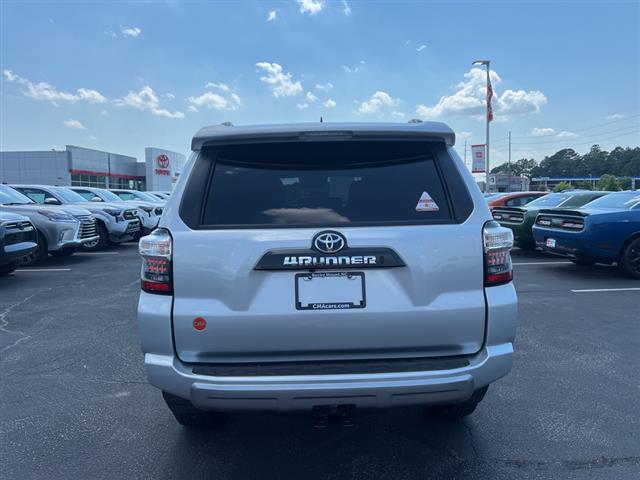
pixel 326 267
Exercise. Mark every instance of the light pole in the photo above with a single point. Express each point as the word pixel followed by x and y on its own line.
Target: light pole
pixel 488 119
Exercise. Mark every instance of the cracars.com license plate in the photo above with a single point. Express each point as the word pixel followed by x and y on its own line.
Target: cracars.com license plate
pixel 551 242
pixel 330 290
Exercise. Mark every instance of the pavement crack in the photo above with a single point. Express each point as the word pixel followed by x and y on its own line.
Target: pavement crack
pixel 4 323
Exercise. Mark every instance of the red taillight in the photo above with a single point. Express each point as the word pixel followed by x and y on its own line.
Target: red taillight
pixel 156 275
pixel 497 242
pixel 573 225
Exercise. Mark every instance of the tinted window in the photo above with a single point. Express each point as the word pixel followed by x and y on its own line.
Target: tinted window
pixel 550 200
pixel 616 200
pixel 320 185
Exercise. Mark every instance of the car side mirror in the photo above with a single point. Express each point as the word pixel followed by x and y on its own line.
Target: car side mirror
pixel 51 201
pixel 96 199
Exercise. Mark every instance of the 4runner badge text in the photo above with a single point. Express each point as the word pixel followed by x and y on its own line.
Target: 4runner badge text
pixel 309 261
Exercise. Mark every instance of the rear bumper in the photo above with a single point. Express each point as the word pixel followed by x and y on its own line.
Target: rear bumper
pixel 292 392
pixel 576 245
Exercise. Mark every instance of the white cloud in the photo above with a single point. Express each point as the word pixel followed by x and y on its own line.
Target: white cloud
pixel 272 16
pixel 282 84
pixel 146 99
pixel 377 102
pixel 220 86
pixel 47 92
pixel 615 116
pixel 325 87
pixel 398 114
pixel 302 106
pixel 311 97
pixel 463 135
pixel 133 32
pixel 74 124
pixel 10 76
pixel 541 132
pixel 192 108
pixel 312 7
pixel 470 99
pixel 353 69
pixel 420 48
pixel 104 113
pixel 216 101
pixel 329 103
pixel 169 95
pixel 346 8
pixel 566 134
pixel 92 137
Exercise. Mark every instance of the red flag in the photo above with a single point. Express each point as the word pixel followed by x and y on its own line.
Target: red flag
pixel 489 98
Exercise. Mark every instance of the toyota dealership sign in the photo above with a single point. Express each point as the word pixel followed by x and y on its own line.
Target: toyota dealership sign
pixel 162 162
pixel 163 168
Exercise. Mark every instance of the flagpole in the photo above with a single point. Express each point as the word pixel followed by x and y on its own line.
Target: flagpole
pixel 487 120
pixel 487 64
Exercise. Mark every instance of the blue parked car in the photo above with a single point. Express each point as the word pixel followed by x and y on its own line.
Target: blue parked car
pixel 605 230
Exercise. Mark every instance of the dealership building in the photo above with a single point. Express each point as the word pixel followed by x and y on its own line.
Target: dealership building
pixel 93 168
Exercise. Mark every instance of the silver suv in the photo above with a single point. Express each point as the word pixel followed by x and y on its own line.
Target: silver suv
pixel 326 267
pixel 113 222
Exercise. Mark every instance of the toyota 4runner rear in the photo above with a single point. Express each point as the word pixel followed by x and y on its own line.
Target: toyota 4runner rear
pixel 326 267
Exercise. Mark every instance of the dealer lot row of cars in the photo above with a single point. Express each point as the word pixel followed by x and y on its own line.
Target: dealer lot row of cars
pixel 585 226
pixel 38 220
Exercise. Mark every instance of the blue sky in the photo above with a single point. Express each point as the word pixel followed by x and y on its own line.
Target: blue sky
pixel 123 75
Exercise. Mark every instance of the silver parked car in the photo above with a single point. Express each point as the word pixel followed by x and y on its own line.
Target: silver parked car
pixel 60 230
pixel 102 195
pixel 17 240
pixel 326 267
pixel 153 208
pixel 114 222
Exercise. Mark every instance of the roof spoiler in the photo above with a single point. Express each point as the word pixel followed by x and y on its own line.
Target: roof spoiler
pixel 227 134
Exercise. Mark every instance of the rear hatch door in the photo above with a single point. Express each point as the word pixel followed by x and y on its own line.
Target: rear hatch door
pixel 406 279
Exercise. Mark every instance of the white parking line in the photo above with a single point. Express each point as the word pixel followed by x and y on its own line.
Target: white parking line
pixel 96 253
pixel 592 290
pixel 541 263
pixel 43 270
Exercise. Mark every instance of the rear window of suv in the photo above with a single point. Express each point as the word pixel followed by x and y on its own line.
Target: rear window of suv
pixel 325 184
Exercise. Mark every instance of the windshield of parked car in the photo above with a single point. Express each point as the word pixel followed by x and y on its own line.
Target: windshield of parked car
pixel 108 196
pixel 9 196
pixel 69 195
pixel 616 200
pixel 551 200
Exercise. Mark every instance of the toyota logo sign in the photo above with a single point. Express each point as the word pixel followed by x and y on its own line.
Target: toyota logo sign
pixel 329 242
pixel 163 161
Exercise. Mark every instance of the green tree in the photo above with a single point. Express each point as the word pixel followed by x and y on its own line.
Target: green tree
pixel 608 183
pixel 563 186
pixel 542 188
pixel 624 183
pixel 586 185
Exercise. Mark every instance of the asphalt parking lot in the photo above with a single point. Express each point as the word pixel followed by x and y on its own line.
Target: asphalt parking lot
pixel 75 402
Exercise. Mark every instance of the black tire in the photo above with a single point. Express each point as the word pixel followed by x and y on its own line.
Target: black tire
pixel 189 416
pixel 39 255
pixel 8 269
pixel 457 411
pixel 583 263
pixel 629 261
pixel 103 239
pixel 64 252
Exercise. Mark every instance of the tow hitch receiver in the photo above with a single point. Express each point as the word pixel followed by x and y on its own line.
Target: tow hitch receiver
pixel 336 414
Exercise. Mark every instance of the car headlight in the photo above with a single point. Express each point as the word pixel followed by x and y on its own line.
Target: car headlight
pixel 58 217
pixel 113 212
